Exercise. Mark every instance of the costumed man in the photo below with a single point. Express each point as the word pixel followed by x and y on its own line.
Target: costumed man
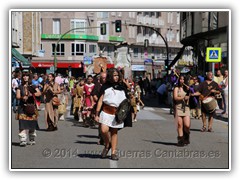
pixel 207 89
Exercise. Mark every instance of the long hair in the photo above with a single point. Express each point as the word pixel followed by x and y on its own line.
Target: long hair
pixel 110 72
pixel 29 79
pixel 185 82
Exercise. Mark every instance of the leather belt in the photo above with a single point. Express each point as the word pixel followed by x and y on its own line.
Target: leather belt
pixel 109 109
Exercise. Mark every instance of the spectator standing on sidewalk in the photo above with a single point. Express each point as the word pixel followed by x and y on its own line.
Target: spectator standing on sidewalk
pixel 225 93
pixel 16 82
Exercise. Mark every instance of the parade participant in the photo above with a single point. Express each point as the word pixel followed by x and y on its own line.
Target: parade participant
pixel 51 90
pixel 113 92
pixel 96 95
pixel 27 110
pixel 208 88
pixel 137 94
pixel 195 105
pixel 133 107
pixel 63 102
pixel 182 112
pixel 78 101
pixel 88 99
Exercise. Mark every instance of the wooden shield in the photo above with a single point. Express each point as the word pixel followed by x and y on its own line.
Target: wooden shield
pixel 100 64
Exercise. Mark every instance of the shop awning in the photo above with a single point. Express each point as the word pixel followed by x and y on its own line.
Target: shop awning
pixel 20 58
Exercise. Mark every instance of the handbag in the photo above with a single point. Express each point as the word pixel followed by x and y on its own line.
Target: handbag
pixel 29 109
pixel 56 101
pixel 122 111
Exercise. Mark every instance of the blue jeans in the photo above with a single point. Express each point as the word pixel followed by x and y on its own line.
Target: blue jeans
pixel 14 101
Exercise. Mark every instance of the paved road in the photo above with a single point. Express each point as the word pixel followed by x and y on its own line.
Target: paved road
pixel 150 143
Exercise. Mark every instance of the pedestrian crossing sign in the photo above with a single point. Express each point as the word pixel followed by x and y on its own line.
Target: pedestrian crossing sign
pixel 214 54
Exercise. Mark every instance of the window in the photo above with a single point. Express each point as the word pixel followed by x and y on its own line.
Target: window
pixel 103 15
pixel 56 26
pixel 113 13
pixel 77 23
pixel 119 14
pixel 132 14
pixel 178 18
pixel 177 36
pixel 157 53
pixel 41 31
pixel 92 48
pixel 158 14
pixel 60 49
pixel 109 51
pixel 135 52
pixel 131 32
pixel 78 49
pixel 152 14
pixel 139 30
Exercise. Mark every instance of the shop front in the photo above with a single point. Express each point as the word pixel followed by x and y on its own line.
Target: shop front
pixel 138 71
pixel 73 69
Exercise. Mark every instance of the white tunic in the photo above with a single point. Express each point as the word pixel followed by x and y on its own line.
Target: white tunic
pixel 111 97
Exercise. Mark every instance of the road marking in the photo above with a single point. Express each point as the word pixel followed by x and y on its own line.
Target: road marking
pixel 166 109
pixel 148 109
pixel 113 164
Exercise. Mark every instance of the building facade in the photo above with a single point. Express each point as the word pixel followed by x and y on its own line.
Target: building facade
pixel 205 29
pixel 78 47
pixel 26 39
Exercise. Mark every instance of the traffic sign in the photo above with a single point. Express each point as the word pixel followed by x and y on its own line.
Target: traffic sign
pixel 213 54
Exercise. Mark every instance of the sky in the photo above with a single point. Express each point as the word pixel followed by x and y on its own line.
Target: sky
pixel 123 4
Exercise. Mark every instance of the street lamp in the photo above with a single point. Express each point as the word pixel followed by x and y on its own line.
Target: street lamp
pixel 152 28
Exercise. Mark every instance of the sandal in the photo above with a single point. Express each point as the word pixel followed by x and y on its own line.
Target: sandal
pixel 204 129
pixel 104 152
pixel 114 157
pixel 210 130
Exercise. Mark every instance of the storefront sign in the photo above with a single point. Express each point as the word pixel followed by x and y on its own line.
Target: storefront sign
pixel 138 68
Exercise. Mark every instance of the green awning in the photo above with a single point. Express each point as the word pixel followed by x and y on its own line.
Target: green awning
pixel 20 57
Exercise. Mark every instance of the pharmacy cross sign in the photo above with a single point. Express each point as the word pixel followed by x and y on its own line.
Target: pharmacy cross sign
pixel 214 54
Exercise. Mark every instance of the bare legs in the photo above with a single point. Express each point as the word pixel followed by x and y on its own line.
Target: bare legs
pixel 106 137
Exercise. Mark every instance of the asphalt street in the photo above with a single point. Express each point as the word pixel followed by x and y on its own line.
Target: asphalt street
pixel 150 143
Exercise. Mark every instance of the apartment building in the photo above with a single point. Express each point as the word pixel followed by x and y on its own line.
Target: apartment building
pixel 205 29
pixel 78 47
pixel 25 37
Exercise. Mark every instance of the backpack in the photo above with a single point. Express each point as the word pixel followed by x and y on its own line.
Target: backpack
pixel 122 111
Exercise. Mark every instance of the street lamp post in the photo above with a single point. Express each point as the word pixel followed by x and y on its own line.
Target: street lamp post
pixel 166 44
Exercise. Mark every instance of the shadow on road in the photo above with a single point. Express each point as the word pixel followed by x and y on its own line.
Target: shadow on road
pixel 16 144
pixel 163 143
pixel 91 156
pixel 197 130
pixel 88 136
pixel 86 142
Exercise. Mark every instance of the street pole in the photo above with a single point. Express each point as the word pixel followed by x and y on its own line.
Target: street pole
pixel 55 49
pixel 166 44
